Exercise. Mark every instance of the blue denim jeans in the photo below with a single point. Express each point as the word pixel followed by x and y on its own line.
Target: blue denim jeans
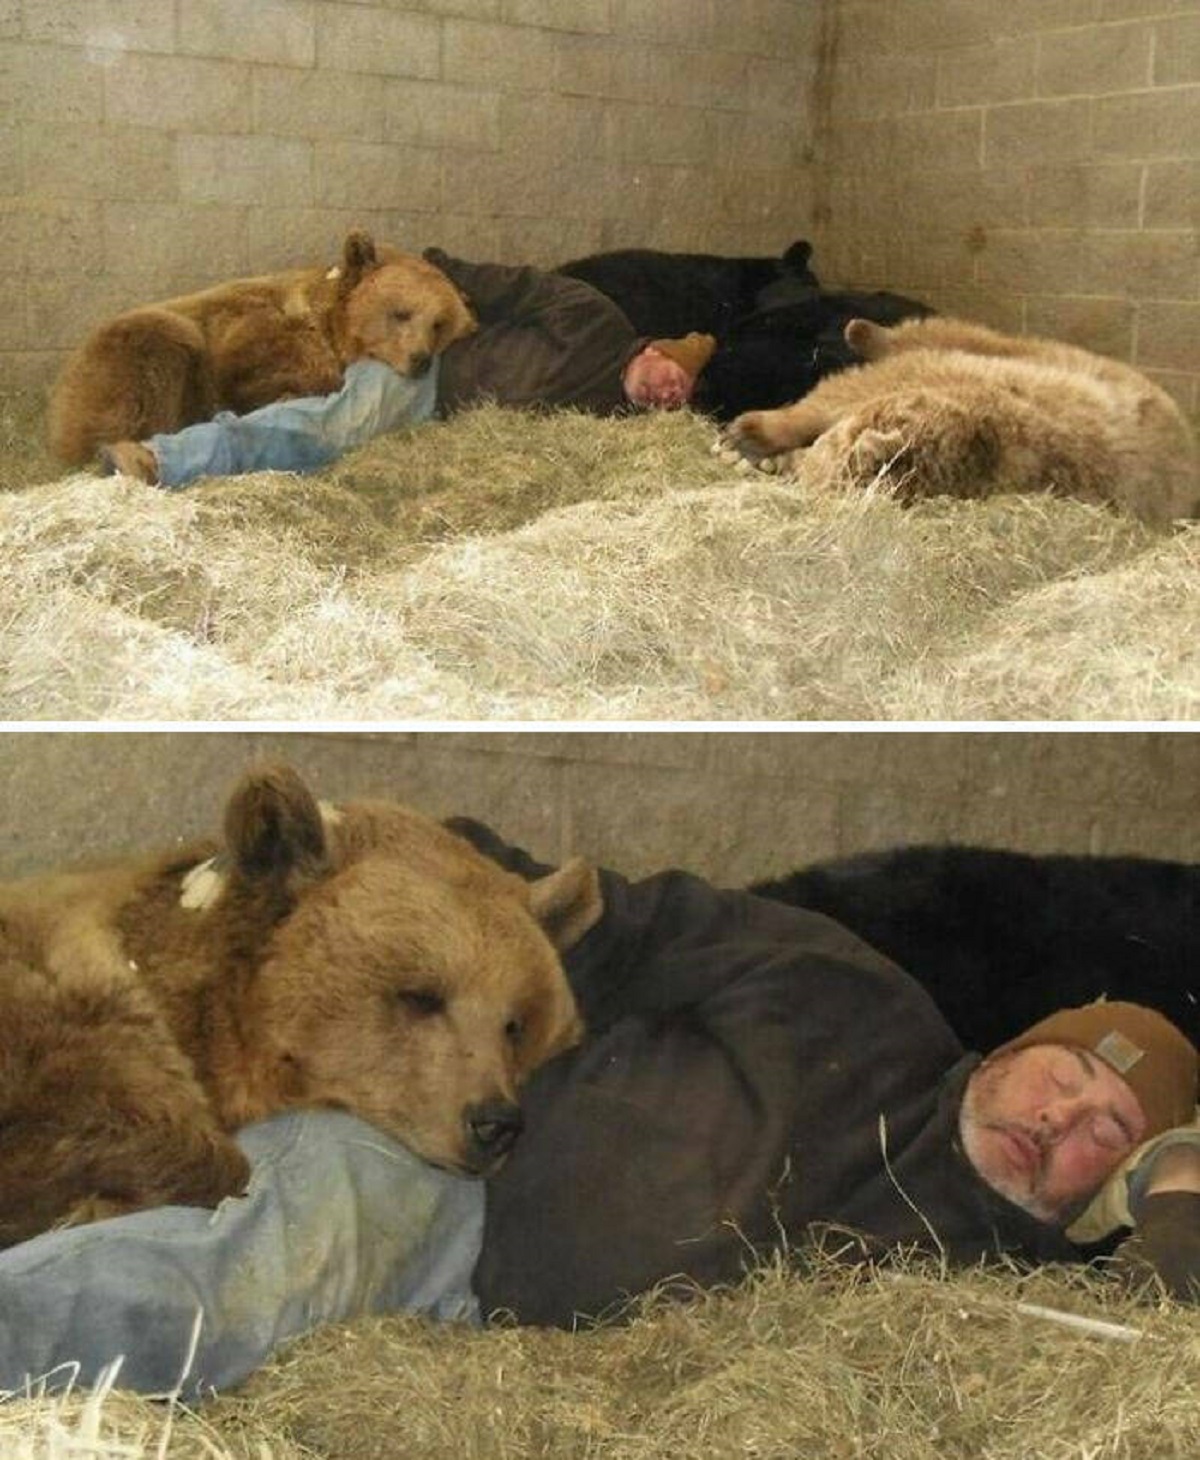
pixel 338 1220
pixel 298 435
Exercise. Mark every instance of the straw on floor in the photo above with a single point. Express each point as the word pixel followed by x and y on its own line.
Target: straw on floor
pixel 505 565
pixel 907 1365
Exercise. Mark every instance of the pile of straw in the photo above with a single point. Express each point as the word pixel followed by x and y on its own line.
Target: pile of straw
pixel 503 565
pixel 903 1366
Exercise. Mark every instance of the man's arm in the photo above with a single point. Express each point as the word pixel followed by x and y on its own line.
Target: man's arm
pixel 544 340
pixel 1164 1205
pixel 499 291
pixel 1177 1168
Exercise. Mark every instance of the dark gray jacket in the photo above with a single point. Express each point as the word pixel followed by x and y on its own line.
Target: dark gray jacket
pixel 752 1072
pixel 543 340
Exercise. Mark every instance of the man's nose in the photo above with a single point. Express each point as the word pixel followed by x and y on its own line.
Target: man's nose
pixel 1061 1116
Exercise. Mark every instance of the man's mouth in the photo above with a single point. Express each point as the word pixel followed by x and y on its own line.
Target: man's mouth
pixel 1021 1150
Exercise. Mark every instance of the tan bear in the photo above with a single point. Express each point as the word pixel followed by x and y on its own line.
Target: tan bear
pixel 247 343
pixel 944 407
pixel 361 957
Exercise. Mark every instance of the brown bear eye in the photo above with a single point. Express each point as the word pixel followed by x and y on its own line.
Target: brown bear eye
pixel 514 1031
pixel 401 316
pixel 421 1002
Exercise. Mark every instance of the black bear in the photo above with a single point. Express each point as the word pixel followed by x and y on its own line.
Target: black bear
pixel 1003 938
pixel 778 332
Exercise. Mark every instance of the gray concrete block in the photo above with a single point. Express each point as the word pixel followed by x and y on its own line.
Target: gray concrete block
pixel 50 83
pixel 429 114
pixel 389 174
pixel 291 102
pixel 109 26
pixel 178 93
pixel 282 33
pixel 378 41
pixel 245 169
pixel 169 248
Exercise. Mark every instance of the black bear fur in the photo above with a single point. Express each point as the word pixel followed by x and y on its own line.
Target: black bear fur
pixel 1001 939
pixel 778 332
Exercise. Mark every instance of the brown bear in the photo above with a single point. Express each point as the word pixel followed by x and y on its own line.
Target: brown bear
pixel 945 407
pixel 246 343
pixel 361 957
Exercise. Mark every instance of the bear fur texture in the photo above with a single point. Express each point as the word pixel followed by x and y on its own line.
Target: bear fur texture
pixel 249 342
pixel 1001 939
pixel 945 407
pixel 360 957
pixel 778 332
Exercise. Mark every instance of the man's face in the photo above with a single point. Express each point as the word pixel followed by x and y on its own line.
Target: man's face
pixel 655 380
pixel 1047 1125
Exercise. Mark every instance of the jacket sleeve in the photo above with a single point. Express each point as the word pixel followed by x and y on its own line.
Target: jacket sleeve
pixel 671 942
pixel 1113 1205
pixel 499 291
pixel 1164 1250
pixel 544 340
pixel 1157 1193
pixel 492 845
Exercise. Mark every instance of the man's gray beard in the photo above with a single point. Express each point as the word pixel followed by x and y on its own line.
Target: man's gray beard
pixel 1019 1193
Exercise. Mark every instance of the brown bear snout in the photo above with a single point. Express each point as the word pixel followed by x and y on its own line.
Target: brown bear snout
pixel 492 1130
pixel 418 365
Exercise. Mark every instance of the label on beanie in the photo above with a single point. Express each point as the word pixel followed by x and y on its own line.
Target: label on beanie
pixel 1121 1053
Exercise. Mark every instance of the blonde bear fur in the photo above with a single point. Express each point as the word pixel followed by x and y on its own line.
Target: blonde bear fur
pixel 945 407
pixel 247 343
pixel 364 958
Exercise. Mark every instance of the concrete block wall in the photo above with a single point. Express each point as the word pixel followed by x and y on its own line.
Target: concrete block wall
pixel 732 806
pixel 1034 163
pixel 153 146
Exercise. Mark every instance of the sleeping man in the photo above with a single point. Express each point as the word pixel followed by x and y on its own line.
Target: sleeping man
pixel 543 340
pixel 754 1077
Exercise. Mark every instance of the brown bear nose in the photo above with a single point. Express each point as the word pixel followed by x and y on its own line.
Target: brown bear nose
pixel 493 1127
pixel 418 365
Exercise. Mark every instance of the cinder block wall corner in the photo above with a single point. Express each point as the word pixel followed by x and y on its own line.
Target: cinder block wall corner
pixel 1035 164
pixel 151 148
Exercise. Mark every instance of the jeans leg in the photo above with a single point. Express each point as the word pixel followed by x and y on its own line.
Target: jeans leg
pixel 338 1220
pixel 299 435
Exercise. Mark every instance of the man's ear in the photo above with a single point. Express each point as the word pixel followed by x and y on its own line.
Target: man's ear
pixel 567 902
pixel 273 827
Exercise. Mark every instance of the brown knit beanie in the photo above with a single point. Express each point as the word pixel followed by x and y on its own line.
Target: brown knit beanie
pixel 693 351
pixel 1156 1061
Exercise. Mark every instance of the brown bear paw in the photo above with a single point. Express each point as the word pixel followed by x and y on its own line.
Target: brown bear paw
pixel 880 456
pixel 129 459
pixel 751 437
pixel 98 1209
pixel 227 1175
pixel 786 463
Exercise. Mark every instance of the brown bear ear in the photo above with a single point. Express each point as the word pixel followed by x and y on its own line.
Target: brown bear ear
pixel 359 258
pixel 273 826
pixel 868 340
pixel 468 321
pixel 557 1026
pixel 567 902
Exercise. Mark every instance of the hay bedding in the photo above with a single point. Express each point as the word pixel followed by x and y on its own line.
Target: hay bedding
pixel 507 566
pixel 835 1365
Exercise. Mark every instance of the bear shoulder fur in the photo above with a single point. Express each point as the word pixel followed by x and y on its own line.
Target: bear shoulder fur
pixel 362 957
